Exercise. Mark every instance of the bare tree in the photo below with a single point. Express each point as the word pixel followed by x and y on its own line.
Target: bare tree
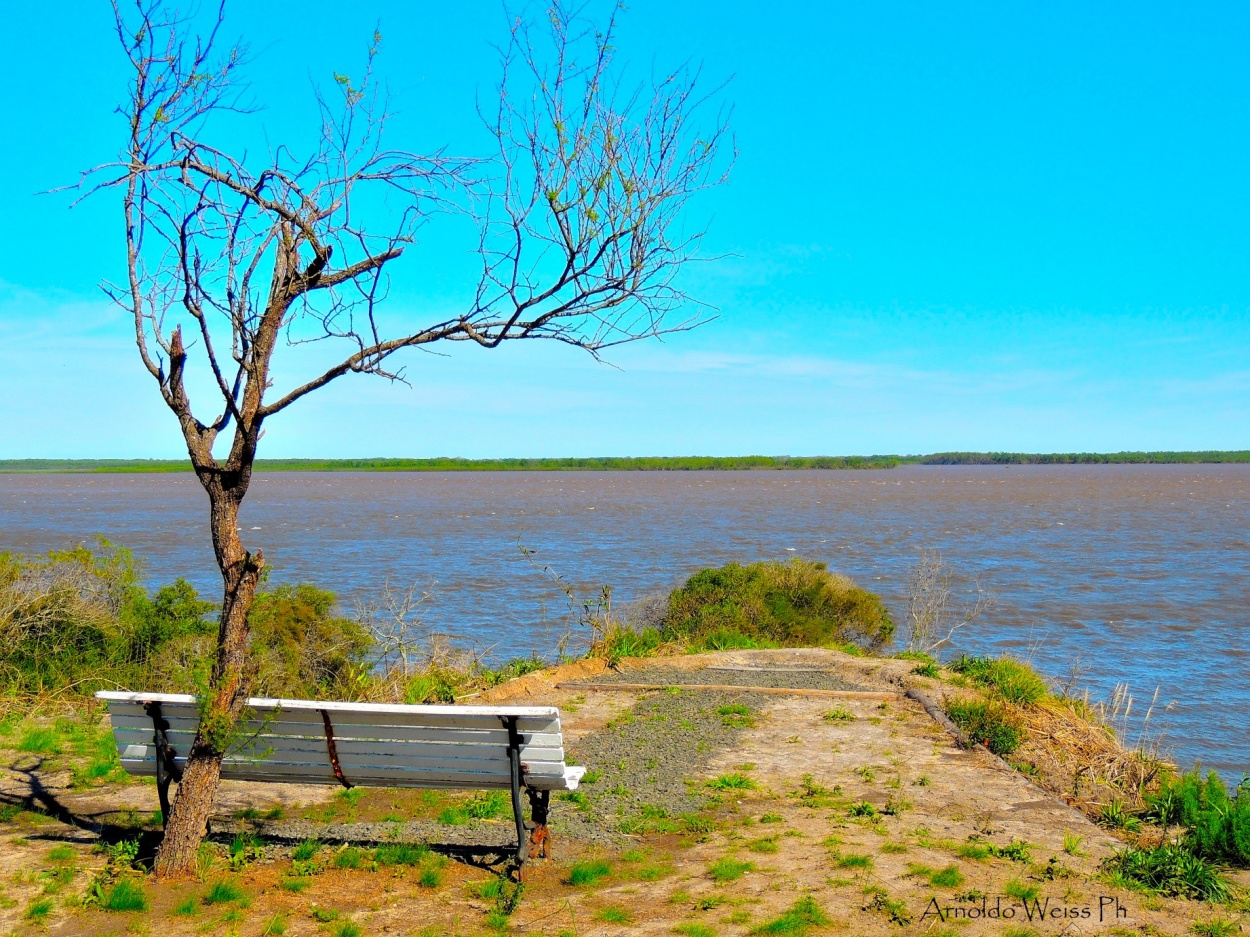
pixel 401 641
pixel 232 255
pixel 935 610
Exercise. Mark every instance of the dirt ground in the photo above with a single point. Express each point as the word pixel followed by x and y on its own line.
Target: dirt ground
pixel 727 812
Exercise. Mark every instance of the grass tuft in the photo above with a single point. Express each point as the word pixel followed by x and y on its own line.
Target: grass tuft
pixel 125 896
pixel 728 869
pixel 223 892
pixel 589 872
pixel 803 915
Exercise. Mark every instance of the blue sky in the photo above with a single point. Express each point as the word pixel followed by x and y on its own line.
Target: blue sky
pixel 951 226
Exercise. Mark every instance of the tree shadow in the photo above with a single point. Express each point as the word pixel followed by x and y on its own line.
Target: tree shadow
pixel 40 799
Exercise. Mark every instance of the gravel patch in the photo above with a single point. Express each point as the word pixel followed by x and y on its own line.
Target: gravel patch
pixel 799 679
pixel 480 833
pixel 652 764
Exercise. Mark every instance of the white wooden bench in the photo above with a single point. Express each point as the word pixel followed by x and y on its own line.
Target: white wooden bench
pixel 367 744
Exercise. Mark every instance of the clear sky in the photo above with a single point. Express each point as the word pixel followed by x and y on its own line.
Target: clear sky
pixel 951 226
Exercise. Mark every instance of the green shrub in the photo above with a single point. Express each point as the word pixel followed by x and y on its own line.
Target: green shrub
pixel 1218 823
pixel 1007 677
pixel 987 722
pixel 1170 869
pixel 795 603
pixel 299 647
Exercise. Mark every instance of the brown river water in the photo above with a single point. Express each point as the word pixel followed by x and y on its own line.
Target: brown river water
pixel 1142 572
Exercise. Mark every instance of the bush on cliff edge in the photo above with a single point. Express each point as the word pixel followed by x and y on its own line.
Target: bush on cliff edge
pixel 798 603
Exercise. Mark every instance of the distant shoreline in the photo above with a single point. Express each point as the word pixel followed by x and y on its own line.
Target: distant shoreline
pixel 640 463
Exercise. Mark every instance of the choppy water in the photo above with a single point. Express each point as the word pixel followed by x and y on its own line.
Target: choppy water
pixel 1141 571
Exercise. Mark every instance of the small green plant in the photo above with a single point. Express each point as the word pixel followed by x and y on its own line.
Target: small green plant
pixel 275 928
pixel 772 818
pixel 352 796
pixel 1017 851
pixel 1169 869
pixel 349 858
pixel 589 872
pixel 735 716
pixel 974 850
pixel 306 850
pixel 1072 844
pixel 347 929
pixel 766 844
pixel 988 722
pixel 1117 817
pixel 325 915
pixel 892 908
pixel 802 915
pixel 1216 927
pixel 296 885
pixel 485 805
pixel 839 713
pixel 694 929
pixel 62 853
pixel 862 809
pixel 866 773
pixel 928 669
pixel 732 782
pixel 125 896
pixel 728 869
pixel 187 906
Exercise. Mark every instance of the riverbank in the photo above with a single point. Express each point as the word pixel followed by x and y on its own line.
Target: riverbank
pixel 780 814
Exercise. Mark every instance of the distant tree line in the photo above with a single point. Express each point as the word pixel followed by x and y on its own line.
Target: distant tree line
pixel 641 463
pixel 1079 458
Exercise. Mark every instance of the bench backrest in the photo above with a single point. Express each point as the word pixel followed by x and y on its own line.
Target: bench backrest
pixel 376 744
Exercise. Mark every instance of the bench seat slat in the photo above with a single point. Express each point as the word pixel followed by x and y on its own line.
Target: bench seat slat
pixel 313 761
pixel 183 730
pixel 371 777
pixel 189 717
pixel 356 709
pixel 450 741
pixel 280 749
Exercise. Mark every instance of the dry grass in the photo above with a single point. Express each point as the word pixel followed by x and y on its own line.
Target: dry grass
pixel 1080 756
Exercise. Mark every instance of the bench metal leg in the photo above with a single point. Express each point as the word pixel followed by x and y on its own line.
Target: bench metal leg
pixel 540 836
pixel 514 764
pixel 167 769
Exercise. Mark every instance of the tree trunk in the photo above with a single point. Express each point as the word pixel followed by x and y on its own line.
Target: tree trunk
pixel 222 706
